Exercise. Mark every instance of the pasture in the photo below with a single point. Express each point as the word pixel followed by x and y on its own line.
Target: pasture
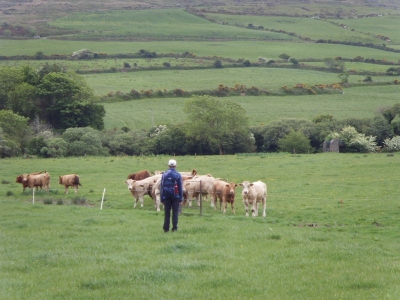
pixel 271 79
pixel 251 50
pixel 154 24
pixel 312 28
pixel 357 102
pixel 331 232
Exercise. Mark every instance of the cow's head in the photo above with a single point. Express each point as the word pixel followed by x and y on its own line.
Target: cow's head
pixel 19 178
pixel 246 187
pixel 231 188
pixel 129 183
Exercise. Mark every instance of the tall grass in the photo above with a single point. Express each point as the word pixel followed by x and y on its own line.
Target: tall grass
pixel 331 231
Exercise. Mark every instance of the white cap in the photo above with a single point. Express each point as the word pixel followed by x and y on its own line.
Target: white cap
pixel 172 163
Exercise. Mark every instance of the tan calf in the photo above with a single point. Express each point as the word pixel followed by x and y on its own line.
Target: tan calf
pixel 70 180
pixel 225 192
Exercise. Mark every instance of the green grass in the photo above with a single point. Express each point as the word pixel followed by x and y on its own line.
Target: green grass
pixel 251 50
pixel 305 27
pixel 107 64
pixel 331 231
pixel 357 102
pixel 271 79
pixel 385 26
pixel 357 66
pixel 154 24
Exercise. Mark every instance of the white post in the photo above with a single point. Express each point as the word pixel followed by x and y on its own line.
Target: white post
pixel 33 196
pixel 102 199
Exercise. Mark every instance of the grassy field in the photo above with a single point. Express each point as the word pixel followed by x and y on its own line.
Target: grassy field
pixel 357 102
pixel 331 232
pixel 195 80
pixel 155 24
pixel 251 50
pixel 305 27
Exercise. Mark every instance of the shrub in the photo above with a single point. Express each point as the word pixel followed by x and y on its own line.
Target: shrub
pixel 218 64
pixel 47 201
pixel 9 193
pixel 79 201
pixel 295 142
pixel 392 145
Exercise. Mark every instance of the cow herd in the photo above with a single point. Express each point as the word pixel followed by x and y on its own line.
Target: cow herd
pixel 42 180
pixel 195 186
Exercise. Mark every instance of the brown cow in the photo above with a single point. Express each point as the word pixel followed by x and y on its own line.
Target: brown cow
pixel 22 179
pixel 32 180
pixel 225 192
pixel 70 180
pixel 139 175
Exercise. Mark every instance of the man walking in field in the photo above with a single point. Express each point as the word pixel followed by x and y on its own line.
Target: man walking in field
pixel 171 195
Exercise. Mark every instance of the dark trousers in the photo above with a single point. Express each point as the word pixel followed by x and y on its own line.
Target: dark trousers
pixel 168 205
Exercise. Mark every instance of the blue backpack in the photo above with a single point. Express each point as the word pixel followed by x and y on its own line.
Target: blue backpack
pixel 170 185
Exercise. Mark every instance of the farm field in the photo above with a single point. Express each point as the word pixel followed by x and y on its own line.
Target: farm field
pixel 332 224
pixel 356 102
pixel 107 64
pixel 155 24
pixel 251 50
pixel 312 28
pixel 331 229
pixel 195 80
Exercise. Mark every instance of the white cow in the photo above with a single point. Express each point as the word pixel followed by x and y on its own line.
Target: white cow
pixel 139 188
pixel 252 194
pixel 155 194
pixel 191 188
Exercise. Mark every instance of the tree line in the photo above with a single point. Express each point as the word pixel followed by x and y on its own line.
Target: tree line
pixel 50 113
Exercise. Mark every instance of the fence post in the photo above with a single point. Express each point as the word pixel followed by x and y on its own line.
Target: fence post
pixel 102 199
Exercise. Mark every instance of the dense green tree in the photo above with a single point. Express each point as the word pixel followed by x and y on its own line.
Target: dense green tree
pixel 130 143
pixel 16 131
pixel 171 141
pixel 215 120
pixel 380 128
pixel 22 100
pixel 83 141
pixel 35 146
pixel 5 150
pixel 277 130
pixel 295 142
pixel 56 147
pixel 10 78
pixel 390 113
pixel 66 101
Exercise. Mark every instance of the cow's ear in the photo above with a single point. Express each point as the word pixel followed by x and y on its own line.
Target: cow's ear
pixel 251 184
pixel 125 182
pixel 240 184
